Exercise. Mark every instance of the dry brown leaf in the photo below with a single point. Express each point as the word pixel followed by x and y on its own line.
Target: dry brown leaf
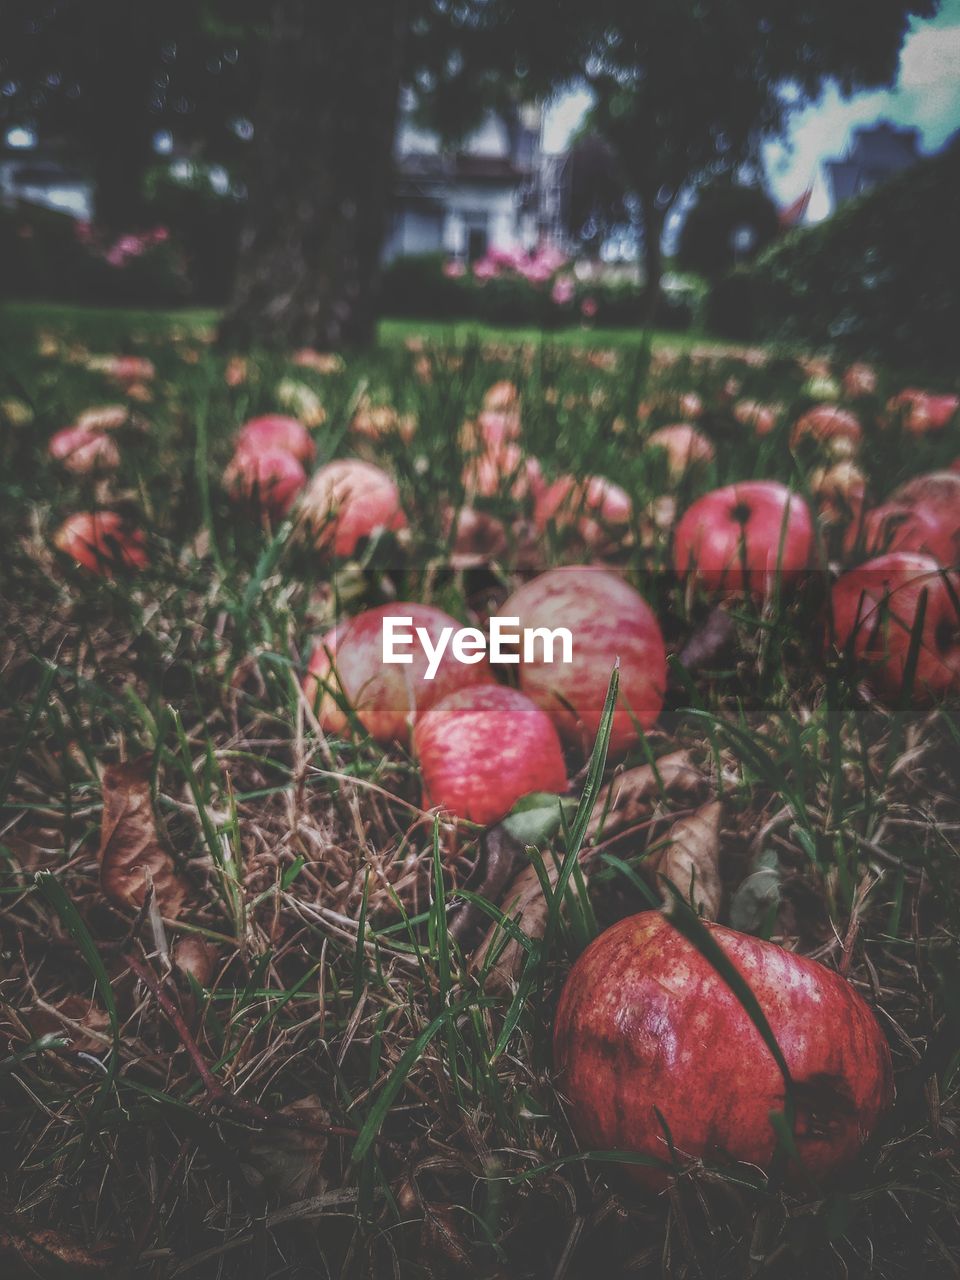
pixel 131 856
pixel 32 1253
pixel 626 799
pixel 689 860
pixel 289 1162
pixel 620 804
pixel 195 957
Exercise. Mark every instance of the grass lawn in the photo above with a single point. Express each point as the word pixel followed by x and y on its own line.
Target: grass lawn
pixel 113 325
pixel 290 1059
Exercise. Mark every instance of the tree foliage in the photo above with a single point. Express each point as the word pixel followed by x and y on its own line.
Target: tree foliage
pixel 708 240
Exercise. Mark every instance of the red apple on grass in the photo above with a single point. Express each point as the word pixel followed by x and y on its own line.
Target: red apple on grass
pixel 859 379
pixel 921 412
pixel 347 501
pixel 102 541
pixel 607 619
pixel 744 536
pixel 269 478
pixel 875 609
pixel 645 1023
pixel 501 469
pixel 385 697
pixel 761 417
pixel 921 515
pixel 277 431
pixel 837 431
pixel 83 452
pixel 597 507
pixel 482 749
pixel 106 417
pixel 685 447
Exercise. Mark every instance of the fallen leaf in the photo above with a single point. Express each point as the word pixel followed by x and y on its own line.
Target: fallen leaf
pixel 758 895
pixel 34 1253
pixel 620 804
pixel 626 799
pixel 690 860
pixel 288 1162
pixel 131 856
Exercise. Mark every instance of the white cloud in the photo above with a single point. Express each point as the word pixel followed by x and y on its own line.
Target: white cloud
pixel 926 95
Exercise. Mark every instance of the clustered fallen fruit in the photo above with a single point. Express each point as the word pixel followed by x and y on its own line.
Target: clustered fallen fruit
pixel 655 1053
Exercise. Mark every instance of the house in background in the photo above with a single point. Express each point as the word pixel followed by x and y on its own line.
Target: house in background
pixel 498 190
pixel 875 153
pixel 42 174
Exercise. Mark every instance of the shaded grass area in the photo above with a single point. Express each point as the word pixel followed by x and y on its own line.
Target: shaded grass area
pixel 115 325
pixel 333 1088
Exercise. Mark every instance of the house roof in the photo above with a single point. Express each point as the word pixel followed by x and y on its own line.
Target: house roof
pixel 459 167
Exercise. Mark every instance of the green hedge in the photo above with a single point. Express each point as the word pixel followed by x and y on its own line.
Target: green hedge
pixel 881 278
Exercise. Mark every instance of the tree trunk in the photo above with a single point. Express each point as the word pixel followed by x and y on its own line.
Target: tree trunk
pixel 324 129
pixel 653 220
pixel 120 124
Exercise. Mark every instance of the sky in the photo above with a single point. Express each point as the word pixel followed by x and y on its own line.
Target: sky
pixel 926 95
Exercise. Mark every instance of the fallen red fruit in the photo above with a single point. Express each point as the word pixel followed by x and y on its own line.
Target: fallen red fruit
pixel 607 619
pixel 920 411
pixel 277 431
pixel 684 445
pixel 761 417
pixel 859 380
pixel 921 515
pixel 875 609
pixel 837 430
pixel 347 501
pixel 482 749
pixel 597 507
pixel 745 537
pixel 102 542
pixel 270 478
pixel 502 469
pixel 646 1024
pixel 83 451
pixel 385 697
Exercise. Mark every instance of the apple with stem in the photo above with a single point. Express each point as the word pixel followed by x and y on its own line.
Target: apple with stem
pixel 745 537
pixel 876 612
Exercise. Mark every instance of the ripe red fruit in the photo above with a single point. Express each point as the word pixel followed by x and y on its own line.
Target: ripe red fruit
pixel 761 417
pixel 874 614
pixel 684 445
pixel 859 380
pixel 501 469
pixel 921 515
pixel 607 620
pixel 481 749
pixel 347 501
pixel 758 525
pixel 268 477
pixel 276 431
pixel 83 451
pixel 922 412
pixel 127 370
pixel 102 542
pixel 837 430
pixel 596 506
pixel 645 1023
pixel 385 697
